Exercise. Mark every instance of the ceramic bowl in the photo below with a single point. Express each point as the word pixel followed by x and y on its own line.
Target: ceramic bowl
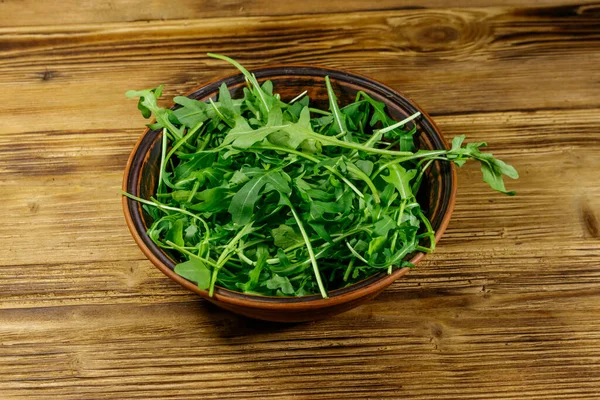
pixel 437 193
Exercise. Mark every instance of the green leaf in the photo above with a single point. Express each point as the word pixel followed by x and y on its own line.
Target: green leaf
pixel 147 105
pixel 311 146
pixel 198 161
pixel 275 116
pixel 238 178
pixel 194 270
pixel 212 200
pixel 380 115
pixel 190 232
pixel 457 142
pixel 243 136
pixel 285 236
pixel 376 244
pixel 321 231
pixel 256 86
pixel 175 233
pixel 267 87
pixel 384 225
pixel 492 175
pixel 280 282
pixel 283 258
pixel 295 109
pixel 147 102
pixel 400 178
pixel 340 120
pixel 278 182
pixel 254 274
pixel 389 194
pixel 293 135
pixel 491 167
pixel 225 97
pixel 192 112
pixel 242 203
pixel 366 166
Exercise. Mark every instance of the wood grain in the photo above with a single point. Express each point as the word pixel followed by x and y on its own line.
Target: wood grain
pixel 505 54
pixel 30 12
pixel 508 307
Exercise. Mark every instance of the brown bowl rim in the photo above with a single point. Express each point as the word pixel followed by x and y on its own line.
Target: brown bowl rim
pixel 365 287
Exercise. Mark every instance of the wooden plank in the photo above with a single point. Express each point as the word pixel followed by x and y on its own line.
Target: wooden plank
pixel 466 346
pixel 35 13
pixel 449 61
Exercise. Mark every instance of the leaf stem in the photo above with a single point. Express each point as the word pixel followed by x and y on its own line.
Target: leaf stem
pixel 162 160
pixel 311 253
pixel 295 99
pixel 403 159
pixel 349 269
pixel 399 124
pixel 165 207
pixel 250 77
pixel 356 254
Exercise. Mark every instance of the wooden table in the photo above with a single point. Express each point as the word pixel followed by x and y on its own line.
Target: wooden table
pixel 507 308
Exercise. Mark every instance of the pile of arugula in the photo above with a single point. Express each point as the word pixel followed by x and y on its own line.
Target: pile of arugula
pixel 268 197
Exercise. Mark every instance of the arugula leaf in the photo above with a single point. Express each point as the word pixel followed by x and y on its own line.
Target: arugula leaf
pixel 175 233
pixel 292 135
pixel 400 178
pixel 285 236
pixel 340 120
pixel 147 104
pixel 491 168
pixel 254 274
pixel 242 203
pixel 195 271
pixel 192 112
pixel 384 225
pixel 212 200
pixel 243 136
pixel 280 282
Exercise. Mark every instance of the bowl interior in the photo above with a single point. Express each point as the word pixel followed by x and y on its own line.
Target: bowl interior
pixel 434 195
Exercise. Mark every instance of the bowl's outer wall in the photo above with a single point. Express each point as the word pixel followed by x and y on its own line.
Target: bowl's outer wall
pixel 141 176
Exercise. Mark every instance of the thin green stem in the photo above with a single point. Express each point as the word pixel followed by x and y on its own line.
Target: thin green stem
pixel 162 160
pixel 329 140
pixel 189 253
pixel 193 192
pixel 430 231
pixel 399 124
pixel 333 106
pixel 250 77
pixel 349 269
pixel 309 248
pixel 301 95
pixel 420 175
pixel 356 254
pixel 403 159
pixel 364 177
pixel 219 113
pixel 317 111
pixel 165 207
pixel 399 214
pixel 226 255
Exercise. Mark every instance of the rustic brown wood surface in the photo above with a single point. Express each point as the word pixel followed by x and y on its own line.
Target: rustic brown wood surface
pixel 507 308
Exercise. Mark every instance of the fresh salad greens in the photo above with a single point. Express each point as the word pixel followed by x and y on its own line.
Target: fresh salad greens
pixel 268 197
